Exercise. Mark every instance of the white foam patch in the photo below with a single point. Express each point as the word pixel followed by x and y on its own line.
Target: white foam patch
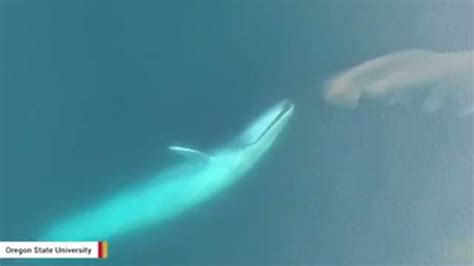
pixel 431 79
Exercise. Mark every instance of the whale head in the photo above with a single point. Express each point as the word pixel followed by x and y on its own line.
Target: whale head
pixel 260 135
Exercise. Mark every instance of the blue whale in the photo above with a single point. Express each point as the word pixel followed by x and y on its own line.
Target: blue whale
pixel 176 188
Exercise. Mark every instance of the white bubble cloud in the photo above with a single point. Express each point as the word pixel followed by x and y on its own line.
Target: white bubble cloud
pixel 431 79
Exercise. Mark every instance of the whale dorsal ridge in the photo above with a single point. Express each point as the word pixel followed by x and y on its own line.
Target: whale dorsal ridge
pixel 189 153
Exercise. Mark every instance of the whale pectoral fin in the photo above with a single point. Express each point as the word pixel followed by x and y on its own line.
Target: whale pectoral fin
pixel 190 153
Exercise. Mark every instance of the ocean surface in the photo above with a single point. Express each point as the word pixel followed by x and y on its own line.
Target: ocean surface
pixel 93 93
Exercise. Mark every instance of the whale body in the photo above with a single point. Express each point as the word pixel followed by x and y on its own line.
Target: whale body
pixel 177 188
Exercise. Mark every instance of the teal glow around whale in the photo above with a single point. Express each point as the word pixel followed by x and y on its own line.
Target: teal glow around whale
pixel 177 188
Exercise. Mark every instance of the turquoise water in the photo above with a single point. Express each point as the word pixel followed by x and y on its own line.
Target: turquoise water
pixel 93 93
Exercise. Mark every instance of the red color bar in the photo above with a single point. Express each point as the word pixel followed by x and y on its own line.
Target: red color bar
pixel 101 250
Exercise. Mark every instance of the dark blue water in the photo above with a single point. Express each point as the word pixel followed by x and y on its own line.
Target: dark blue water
pixel 94 92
